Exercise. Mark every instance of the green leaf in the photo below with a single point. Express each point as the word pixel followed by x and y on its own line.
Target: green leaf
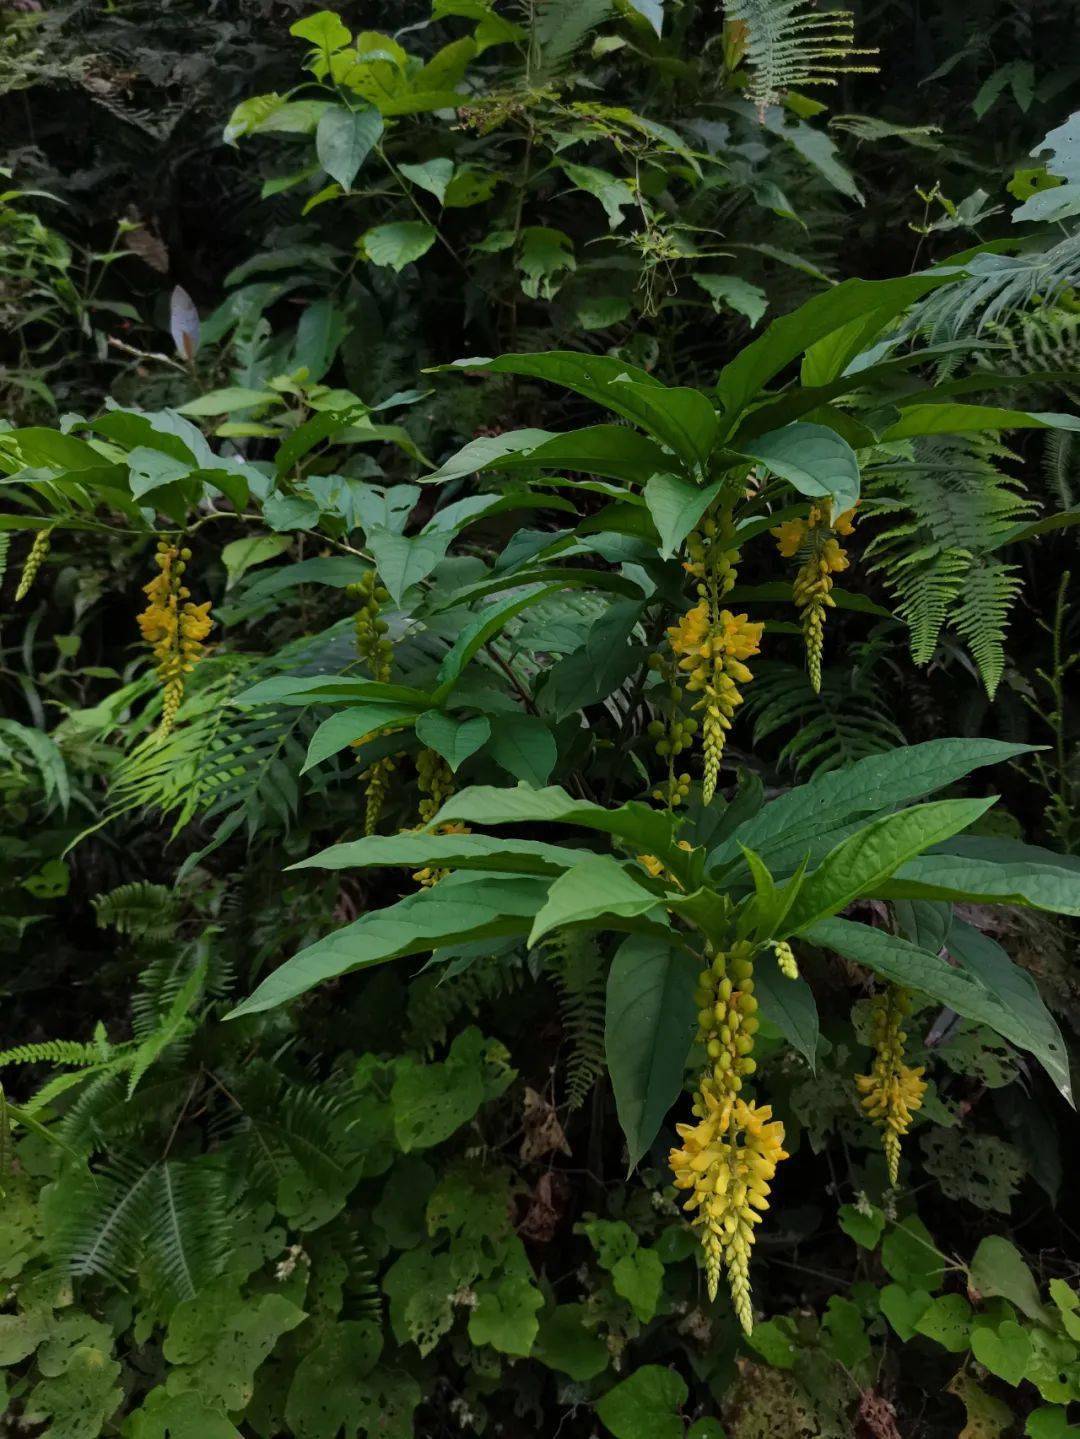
pixel 734 292
pixel 216 1341
pixel 453 738
pixel 431 1102
pixel 483 628
pixel 243 555
pixel 343 141
pixel 596 888
pixel 324 29
pixel 403 561
pixel 811 816
pixel 911 1257
pixel 1017 993
pixel 566 1343
pixel 790 335
pixel 787 1003
pixel 328 1384
pixel 682 419
pixel 613 194
pixel 865 1228
pixel 350 726
pixel 957 419
pixel 505 1315
pixel 397 244
pixel 902 963
pixel 638 1278
pixel 813 458
pixel 645 1406
pixel 226 401
pixel 676 505
pixel 650 831
pixel 524 746
pixel 178 1416
pixel 997 1268
pixel 1048 1423
pixel 947 1320
pixel 1005 1351
pixel 903 1308
pixel 416 849
pixel 861 863
pixel 1061 201
pixel 610 450
pixel 432 176
pixel 461 907
pixel 649 1026
pixel 990 870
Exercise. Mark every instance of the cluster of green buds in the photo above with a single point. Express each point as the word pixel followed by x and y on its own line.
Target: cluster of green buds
pixel 372 644
pixel 34 560
pixel 671 735
pixel 727 1015
pixel 436 783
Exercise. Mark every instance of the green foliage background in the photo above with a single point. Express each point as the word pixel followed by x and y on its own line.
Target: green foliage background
pixel 259 1180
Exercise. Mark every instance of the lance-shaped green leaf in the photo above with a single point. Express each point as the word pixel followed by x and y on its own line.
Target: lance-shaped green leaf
pixel 676 505
pixel 648 830
pixel 610 450
pixel 461 907
pixel 984 958
pixel 957 419
pixel 816 812
pixel 416 849
pixel 813 458
pixel 990 870
pixel 765 913
pixel 787 1003
pixel 328 689
pixel 649 1026
pixel 903 963
pixel 860 864
pixel 680 418
pixel 352 725
pixel 597 888
pixel 788 336
pixel 484 627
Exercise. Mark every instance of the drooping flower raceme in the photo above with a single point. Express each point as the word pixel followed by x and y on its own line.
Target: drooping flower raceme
pixel 893 1090
pixel 821 557
pixel 174 626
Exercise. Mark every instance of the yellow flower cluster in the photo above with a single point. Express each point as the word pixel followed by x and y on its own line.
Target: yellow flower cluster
pixel 428 876
pixel 34 560
pixel 174 626
pixel 822 556
pixel 728 1158
pixel 893 1090
pixel 712 644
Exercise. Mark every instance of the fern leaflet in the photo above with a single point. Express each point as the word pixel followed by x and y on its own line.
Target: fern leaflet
pixel 789 43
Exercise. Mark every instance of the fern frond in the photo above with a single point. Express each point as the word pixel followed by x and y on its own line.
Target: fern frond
pixel 849 719
pixel 948 508
pixel 187 1240
pixel 174 1025
pixel 997 286
pixel 1060 466
pixel 140 910
pixel 101 1218
pixel 788 43
pixel 56 1051
pixel 168 1219
pixel 5 546
pixel 580 975
pixel 559 28
pixel 437 1000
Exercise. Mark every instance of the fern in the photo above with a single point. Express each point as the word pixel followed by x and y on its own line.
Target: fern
pixel 168 1219
pixel 579 973
pixel 437 1000
pixel 139 909
pixel 788 43
pixel 950 507
pixel 996 288
pixel 57 1051
pixel 559 28
pixel 1059 466
pixel 849 719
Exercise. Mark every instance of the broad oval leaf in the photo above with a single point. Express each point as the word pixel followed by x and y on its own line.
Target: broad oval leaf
pixel 813 458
